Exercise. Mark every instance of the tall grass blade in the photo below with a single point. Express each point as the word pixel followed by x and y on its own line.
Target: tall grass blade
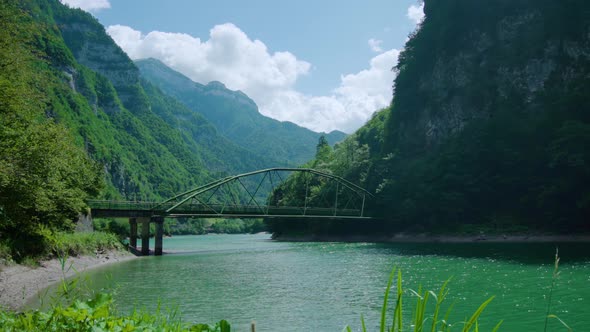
pixel 397 315
pixel 562 322
pixel 553 280
pixel 363 326
pixel 476 314
pixel 497 327
pixel 442 293
pixel 384 309
pixel 420 311
pixel 445 320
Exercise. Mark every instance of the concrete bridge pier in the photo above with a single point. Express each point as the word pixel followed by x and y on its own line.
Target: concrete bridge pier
pixel 159 221
pixel 133 233
pixel 145 236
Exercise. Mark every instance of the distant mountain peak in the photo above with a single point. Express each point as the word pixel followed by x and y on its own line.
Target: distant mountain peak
pixel 237 117
pixel 216 84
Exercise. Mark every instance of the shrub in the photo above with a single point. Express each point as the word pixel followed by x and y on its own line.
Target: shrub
pixel 97 314
pixel 75 244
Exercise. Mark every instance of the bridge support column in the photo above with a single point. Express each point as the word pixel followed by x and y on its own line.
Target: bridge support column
pixel 159 221
pixel 133 233
pixel 145 236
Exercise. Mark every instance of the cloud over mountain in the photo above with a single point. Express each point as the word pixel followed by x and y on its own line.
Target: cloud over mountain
pixel 230 56
pixel 88 5
pixel 416 13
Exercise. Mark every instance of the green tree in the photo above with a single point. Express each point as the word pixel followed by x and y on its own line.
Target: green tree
pixel 44 176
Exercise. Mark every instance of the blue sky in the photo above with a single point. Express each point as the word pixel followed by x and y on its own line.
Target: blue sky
pixel 322 64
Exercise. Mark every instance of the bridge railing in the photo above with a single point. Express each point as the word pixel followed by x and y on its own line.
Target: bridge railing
pixel 263 210
pixel 196 209
pixel 121 205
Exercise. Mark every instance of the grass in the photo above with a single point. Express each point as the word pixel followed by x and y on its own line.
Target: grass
pixel 75 244
pixel 69 312
pixel 52 244
pixel 5 253
pixel 553 281
pixel 421 316
pixel 97 313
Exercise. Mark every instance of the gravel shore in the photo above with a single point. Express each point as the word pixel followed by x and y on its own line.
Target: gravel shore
pixel 19 284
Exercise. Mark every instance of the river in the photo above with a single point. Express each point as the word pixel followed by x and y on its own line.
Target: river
pixel 324 286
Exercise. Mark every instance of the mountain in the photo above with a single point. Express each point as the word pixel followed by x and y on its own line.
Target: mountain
pixel 149 145
pixel 175 134
pixel 78 121
pixel 236 116
pixel 489 126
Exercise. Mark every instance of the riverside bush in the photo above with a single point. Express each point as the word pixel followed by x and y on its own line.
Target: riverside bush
pixel 96 314
pixel 75 244
pixel 57 244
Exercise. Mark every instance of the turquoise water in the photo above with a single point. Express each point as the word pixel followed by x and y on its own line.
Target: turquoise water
pixel 325 286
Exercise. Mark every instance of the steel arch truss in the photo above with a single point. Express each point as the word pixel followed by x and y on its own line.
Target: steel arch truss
pixel 248 195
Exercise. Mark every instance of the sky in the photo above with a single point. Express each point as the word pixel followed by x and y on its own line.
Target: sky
pixel 323 65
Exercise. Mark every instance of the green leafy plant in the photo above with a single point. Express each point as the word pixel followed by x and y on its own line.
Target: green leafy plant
pixel 69 312
pixel 421 314
pixel 96 314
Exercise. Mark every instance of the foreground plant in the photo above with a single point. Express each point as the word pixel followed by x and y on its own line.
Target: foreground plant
pixel 70 313
pixel 96 315
pixel 553 281
pixel 421 316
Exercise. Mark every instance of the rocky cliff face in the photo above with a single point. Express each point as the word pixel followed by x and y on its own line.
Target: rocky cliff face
pixel 470 60
pixel 93 48
pixel 489 127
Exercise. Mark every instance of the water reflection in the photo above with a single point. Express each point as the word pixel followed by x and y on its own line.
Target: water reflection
pixel 527 253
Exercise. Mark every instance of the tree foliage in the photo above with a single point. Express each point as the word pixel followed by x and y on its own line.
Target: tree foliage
pixel 44 176
pixel 489 125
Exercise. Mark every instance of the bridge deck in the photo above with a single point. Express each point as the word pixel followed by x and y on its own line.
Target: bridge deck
pixel 125 209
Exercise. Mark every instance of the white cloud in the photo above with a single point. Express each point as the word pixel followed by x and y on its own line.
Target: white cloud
pixel 348 107
pixel 231 57
pixel 375 45
pixel 88 5
pixel 416 13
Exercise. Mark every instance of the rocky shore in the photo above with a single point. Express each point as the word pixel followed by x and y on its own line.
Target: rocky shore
pixel 19 284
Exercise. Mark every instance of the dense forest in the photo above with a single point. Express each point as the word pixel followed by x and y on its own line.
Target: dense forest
pixel 488 130
pixel 45 174
pixel 79 121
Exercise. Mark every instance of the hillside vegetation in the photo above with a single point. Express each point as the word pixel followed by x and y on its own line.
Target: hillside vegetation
pixel 79 121
pixel 489 127
pixel 236 116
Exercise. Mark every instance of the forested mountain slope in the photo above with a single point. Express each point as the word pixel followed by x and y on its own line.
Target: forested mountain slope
pixel 192 141
pixel 490 123
pixel 236 116
pixel 45 174
pixel 78 122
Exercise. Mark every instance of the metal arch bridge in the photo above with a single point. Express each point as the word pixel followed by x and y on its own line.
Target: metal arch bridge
pixel 241 196
pixel 348 201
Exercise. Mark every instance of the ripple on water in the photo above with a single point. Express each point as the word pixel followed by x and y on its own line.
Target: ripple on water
pixel 324 286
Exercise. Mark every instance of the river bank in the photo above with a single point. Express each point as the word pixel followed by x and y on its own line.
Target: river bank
pixel 19 283
pixel 427 238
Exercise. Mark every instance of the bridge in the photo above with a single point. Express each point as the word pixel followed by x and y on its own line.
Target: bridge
pixel 243 196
